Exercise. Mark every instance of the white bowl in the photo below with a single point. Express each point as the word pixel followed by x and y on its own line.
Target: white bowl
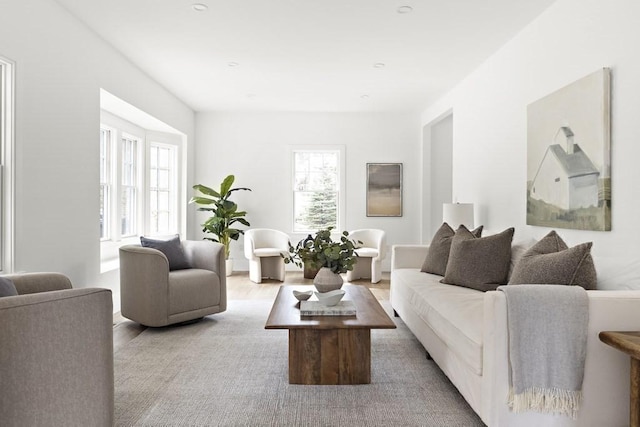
pixel 302 295
pixel 330 298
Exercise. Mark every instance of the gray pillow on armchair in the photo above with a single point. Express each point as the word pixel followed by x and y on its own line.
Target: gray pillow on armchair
pixel 171 248
pixel 7 288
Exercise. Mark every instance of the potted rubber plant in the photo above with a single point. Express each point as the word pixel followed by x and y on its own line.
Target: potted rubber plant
pixel 225 214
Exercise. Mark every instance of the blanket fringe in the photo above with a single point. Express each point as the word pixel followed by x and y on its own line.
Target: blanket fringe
pixel 546 400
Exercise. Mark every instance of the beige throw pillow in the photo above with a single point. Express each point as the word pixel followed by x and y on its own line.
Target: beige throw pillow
pixel 480 263
pixel 551 261
pixel 438 255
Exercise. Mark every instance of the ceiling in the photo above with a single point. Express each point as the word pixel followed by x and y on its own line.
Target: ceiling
pixel 307 55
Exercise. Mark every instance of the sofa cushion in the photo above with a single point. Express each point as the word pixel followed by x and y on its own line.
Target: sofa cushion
pixel 171 248
pixel 480 263
pixel 7 288
pixel 551 261
pixel 455 314
pixel 438 255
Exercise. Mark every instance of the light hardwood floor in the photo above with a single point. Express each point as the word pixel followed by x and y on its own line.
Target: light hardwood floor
pixel 239 287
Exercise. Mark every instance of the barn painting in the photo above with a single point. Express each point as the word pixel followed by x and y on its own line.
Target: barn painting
pixel 568 156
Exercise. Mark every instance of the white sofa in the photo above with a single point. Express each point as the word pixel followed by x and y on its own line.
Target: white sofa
pixel 465 332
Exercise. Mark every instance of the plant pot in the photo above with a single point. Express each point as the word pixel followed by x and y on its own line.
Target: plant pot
pixel 326 280
pixel 229 266
pixel 309 272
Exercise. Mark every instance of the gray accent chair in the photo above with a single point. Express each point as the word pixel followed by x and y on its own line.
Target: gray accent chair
pixel 56 353
pixel 152 295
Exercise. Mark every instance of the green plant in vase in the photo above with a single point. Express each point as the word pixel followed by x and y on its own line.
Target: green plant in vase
pixel 320 251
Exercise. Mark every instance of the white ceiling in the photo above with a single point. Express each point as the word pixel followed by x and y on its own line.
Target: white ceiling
pixel 307 55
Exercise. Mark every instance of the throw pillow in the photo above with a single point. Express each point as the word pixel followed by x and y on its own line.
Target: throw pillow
pixel 438 255
pixel 7 288
pixel 480 263
pixel 172 249
pixel 550 261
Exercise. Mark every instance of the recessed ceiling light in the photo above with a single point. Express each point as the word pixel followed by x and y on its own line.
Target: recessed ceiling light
pixel 199 7
pixel 404 9
pixel 379 65
pixel 232 64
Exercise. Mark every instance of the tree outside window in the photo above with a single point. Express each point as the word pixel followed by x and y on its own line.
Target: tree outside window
pixel 316 190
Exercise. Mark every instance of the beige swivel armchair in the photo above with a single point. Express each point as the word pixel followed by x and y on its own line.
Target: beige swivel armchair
pixel 152 295
pixel 264 247
pixel 370 254
pixel 56 353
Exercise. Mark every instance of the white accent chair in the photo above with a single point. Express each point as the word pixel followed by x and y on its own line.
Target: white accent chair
pixel 263 248
pixel 370 254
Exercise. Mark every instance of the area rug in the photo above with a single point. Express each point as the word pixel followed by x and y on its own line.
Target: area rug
pixel 227 370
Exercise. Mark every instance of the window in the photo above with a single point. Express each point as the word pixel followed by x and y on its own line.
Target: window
pixel 317 189
pixel 162 178
pixel 139 185
pixel 120 184
pixel 129 186
pixel 105 179
pixel 6 164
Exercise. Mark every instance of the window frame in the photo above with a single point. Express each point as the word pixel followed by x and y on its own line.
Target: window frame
pixel 138 184
pixel 7 162
pixel 340 185
pixel 174 182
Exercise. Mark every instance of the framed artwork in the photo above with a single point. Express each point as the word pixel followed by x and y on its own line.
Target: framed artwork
pixel 568 156
pixel 384 189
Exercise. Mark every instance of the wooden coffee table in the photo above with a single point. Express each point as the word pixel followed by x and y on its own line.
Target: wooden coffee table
pixel 329 349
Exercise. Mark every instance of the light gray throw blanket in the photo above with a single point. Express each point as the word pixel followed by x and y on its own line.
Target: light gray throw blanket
pixel 547 347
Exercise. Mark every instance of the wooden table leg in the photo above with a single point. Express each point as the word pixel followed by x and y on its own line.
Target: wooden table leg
pixel 329 356
pixel 634 405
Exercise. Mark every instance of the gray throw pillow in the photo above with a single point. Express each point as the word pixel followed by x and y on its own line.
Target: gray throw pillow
pixel 438 255
pixel 550 261
pixel 480 263
pixel 172 249
pixel 7 288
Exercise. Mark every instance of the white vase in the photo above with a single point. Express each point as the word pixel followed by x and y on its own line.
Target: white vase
pixel 229 266
pixel 326 280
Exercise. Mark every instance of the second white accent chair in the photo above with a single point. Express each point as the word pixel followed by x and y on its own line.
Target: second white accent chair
pixel 263 248
pixel 370 254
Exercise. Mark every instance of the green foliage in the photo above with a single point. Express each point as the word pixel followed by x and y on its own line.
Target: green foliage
pixel 322 251
pixel 322 210
pixel 225 212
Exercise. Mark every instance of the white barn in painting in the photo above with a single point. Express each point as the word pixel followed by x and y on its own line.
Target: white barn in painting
pixel 566 178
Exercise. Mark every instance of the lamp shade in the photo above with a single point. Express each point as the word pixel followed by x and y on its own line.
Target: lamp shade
pixel 456 214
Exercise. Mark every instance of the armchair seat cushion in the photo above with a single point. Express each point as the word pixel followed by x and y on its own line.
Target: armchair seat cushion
pixel 191 289
pixel 367 252
pixel 265 252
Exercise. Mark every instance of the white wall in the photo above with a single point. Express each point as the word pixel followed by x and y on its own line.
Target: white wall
pixel 571 39
pixel 60 68
pixel 255 148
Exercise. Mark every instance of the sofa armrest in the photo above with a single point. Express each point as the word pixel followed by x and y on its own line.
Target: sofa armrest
pixel 31 283
pixel 408 256
pixel 57 358
pixel 606 374
pixel 206 255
